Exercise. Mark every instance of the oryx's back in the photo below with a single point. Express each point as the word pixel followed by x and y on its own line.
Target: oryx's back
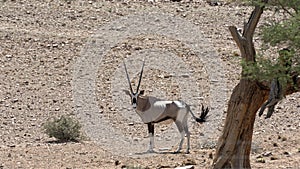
pixel 160 110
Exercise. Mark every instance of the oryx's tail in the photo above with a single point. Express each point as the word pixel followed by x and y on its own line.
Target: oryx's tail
pixel 203 114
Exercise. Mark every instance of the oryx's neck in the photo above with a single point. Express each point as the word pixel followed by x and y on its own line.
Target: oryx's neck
pixel 143 103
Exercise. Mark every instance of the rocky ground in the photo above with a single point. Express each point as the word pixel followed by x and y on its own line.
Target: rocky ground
pixel 41 42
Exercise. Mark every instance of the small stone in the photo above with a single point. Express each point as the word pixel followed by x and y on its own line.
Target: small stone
pixel 15 100
pixel 186 167
pixel 267 154
pixel 210 156
pixel 200 98
pixel 260 160
pixel 117 162
pixel 256 133
pixel 274 158
pixel 259 156
pixel 167 76
pixel 164 149
pixel 185 76
pixel 283 139
pixel 137 48
pixel 215 3
pixel 131 124
pixel 93 18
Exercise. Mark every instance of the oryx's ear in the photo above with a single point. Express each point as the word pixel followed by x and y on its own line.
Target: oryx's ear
pixel 127 92
pixel 142 92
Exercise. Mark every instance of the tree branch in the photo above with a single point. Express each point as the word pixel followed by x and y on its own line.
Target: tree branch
pixel 284 8
pixel 245 40
pixel 276 93
pixel 253 21
pixel 239 39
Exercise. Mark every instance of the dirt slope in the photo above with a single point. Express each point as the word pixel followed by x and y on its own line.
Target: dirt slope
pixel 42 42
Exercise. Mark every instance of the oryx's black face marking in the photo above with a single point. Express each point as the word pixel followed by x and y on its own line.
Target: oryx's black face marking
pixel 134 95
pixel 134 100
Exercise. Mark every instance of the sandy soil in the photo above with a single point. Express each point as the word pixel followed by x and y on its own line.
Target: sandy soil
pixel 42 43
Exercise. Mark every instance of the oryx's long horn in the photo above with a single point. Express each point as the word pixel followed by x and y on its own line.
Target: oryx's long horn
pixel 137 89
pixel 128 78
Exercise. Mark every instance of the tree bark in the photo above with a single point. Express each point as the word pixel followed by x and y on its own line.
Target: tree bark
pixel 234 145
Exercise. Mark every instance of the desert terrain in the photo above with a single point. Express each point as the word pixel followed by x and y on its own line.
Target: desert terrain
pixel 65 57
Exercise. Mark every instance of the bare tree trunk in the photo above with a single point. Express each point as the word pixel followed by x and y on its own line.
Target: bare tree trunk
pixel 234 145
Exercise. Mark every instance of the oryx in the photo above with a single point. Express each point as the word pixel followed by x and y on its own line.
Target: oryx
pixel 154 110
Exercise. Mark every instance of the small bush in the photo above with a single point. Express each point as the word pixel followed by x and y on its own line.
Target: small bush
pixel 64 129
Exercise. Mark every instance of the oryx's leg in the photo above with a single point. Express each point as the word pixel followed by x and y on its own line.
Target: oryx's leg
pixel 182 125
pixel 186 130
pixel 181 130
pixel 151 135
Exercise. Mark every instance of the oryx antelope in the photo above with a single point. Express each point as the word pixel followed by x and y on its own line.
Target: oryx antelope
pixel 154 110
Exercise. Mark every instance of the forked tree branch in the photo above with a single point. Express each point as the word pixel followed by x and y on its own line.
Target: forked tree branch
pixel 245 40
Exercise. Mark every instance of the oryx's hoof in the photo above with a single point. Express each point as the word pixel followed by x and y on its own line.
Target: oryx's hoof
pixel 150 151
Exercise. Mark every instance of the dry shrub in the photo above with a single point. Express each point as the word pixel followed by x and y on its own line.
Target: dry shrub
pixel 64 129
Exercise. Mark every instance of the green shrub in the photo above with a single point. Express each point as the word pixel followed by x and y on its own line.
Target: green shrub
pixel 64 129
